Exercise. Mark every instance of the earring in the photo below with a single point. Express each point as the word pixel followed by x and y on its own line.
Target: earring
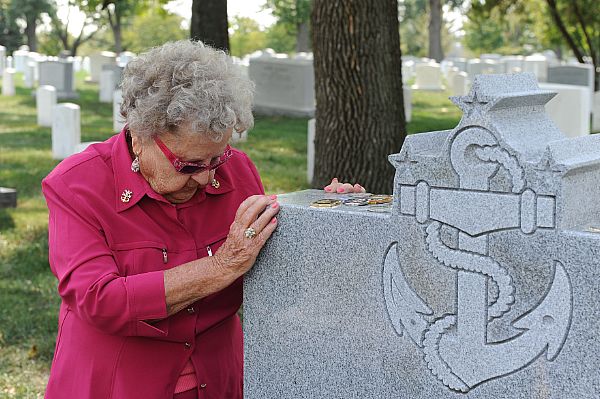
pixel 135 165
pixel 215 183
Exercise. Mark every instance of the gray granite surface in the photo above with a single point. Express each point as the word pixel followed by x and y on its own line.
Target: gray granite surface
pixel 482 282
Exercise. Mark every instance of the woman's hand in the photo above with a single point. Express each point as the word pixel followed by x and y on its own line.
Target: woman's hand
pixel 343 188
pixel 239 252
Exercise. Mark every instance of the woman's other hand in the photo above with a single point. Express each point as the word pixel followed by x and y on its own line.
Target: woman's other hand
pixel 342 188
pixel 238 252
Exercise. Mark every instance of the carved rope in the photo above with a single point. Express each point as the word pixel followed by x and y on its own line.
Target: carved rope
pixel 431 348
pixel 469 261
pixel 472 262
pixel 511 164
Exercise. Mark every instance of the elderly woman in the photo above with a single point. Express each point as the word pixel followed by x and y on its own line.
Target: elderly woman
pixel 150 233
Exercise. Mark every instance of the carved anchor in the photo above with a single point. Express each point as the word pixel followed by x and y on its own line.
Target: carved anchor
pixel 456 346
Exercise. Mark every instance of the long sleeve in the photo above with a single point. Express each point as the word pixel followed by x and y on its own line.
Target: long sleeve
pixel 89 280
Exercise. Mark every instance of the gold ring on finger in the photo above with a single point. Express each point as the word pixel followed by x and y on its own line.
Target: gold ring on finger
pixel 249 232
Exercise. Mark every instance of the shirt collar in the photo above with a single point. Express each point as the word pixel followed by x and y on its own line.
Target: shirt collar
pixel 131 187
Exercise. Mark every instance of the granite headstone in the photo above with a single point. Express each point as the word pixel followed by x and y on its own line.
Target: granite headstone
pixel 58 73
pixel 578 75
pixel 483 281
pixel 283 85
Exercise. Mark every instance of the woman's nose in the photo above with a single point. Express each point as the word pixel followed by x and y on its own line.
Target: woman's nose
pixel 202 178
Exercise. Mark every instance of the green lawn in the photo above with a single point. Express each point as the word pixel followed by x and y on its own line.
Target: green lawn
pixel 28 302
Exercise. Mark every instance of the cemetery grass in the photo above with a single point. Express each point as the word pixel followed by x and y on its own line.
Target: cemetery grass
pixel 28 300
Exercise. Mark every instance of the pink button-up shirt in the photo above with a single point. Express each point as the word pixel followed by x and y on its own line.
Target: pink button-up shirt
pixel 109 250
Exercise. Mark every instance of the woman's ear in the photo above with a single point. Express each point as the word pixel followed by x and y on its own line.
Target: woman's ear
pixel 136 144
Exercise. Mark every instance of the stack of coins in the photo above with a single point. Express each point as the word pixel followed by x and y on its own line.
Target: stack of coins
pixel 326 203
pixel 380 203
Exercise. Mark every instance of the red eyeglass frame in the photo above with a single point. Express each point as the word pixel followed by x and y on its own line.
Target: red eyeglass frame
pixel 191 168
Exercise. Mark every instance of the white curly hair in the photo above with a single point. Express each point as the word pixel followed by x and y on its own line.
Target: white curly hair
pixel 186 83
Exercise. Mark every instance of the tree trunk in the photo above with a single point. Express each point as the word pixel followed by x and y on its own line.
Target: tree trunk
pixel 115 24
pixel 563 30
pixel 435 30
pixel 209 23
pixel 358 89
pixel 303 38
pixel 30 32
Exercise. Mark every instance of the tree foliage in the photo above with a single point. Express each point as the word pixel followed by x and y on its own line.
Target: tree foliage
pixel 10 33
pixel 414 18
pixel 153 28
pixel 60 28
pixel 30 12
pixel 246 36
pixel 293 15
pixel 568 24
pixel 280 39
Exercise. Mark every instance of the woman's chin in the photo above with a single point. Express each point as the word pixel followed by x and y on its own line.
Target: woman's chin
pixel 181 196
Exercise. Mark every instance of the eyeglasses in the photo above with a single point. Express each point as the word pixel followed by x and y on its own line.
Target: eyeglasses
pixel 190 168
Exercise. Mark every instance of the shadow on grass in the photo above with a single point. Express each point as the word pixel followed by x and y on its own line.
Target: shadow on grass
pixel 28 299
pixel 6 220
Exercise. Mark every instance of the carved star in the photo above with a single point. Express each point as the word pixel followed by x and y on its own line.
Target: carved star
pixel 548 169
pixel 472 105
pixel 403 164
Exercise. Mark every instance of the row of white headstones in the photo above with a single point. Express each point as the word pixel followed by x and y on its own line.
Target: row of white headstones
pixel 65 121
pixel 570 109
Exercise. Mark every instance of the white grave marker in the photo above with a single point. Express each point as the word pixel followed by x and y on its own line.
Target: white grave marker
pixel 107 86
pixel 125 57
pixel 21 58
pixel 538 64
pixel 460 84
pixel 596 113
pixel 66 130
pixel 570 109
pixel 2 58
pixel 310 153
pixel 97 61
pixel 8 82
pixel 428 77
pixel 407 92
pixel 118 121
pixel 29 79
pixel 45 99
pixel 512 63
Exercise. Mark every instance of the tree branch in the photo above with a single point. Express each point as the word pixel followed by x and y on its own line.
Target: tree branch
pixel 561 26
pixel 110 18
pixel 585 32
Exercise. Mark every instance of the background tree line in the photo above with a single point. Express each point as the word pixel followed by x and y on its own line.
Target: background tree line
pixel 357 52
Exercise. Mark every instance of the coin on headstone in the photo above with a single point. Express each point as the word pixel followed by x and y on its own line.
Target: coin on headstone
pixel 360 195
pixel 326 203
pixel 356 202
pixel 380 208
pixel 380 199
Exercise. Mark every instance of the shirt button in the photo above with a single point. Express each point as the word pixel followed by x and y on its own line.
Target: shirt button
pixel 191 310
pixel 202 385
pixel 187 345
